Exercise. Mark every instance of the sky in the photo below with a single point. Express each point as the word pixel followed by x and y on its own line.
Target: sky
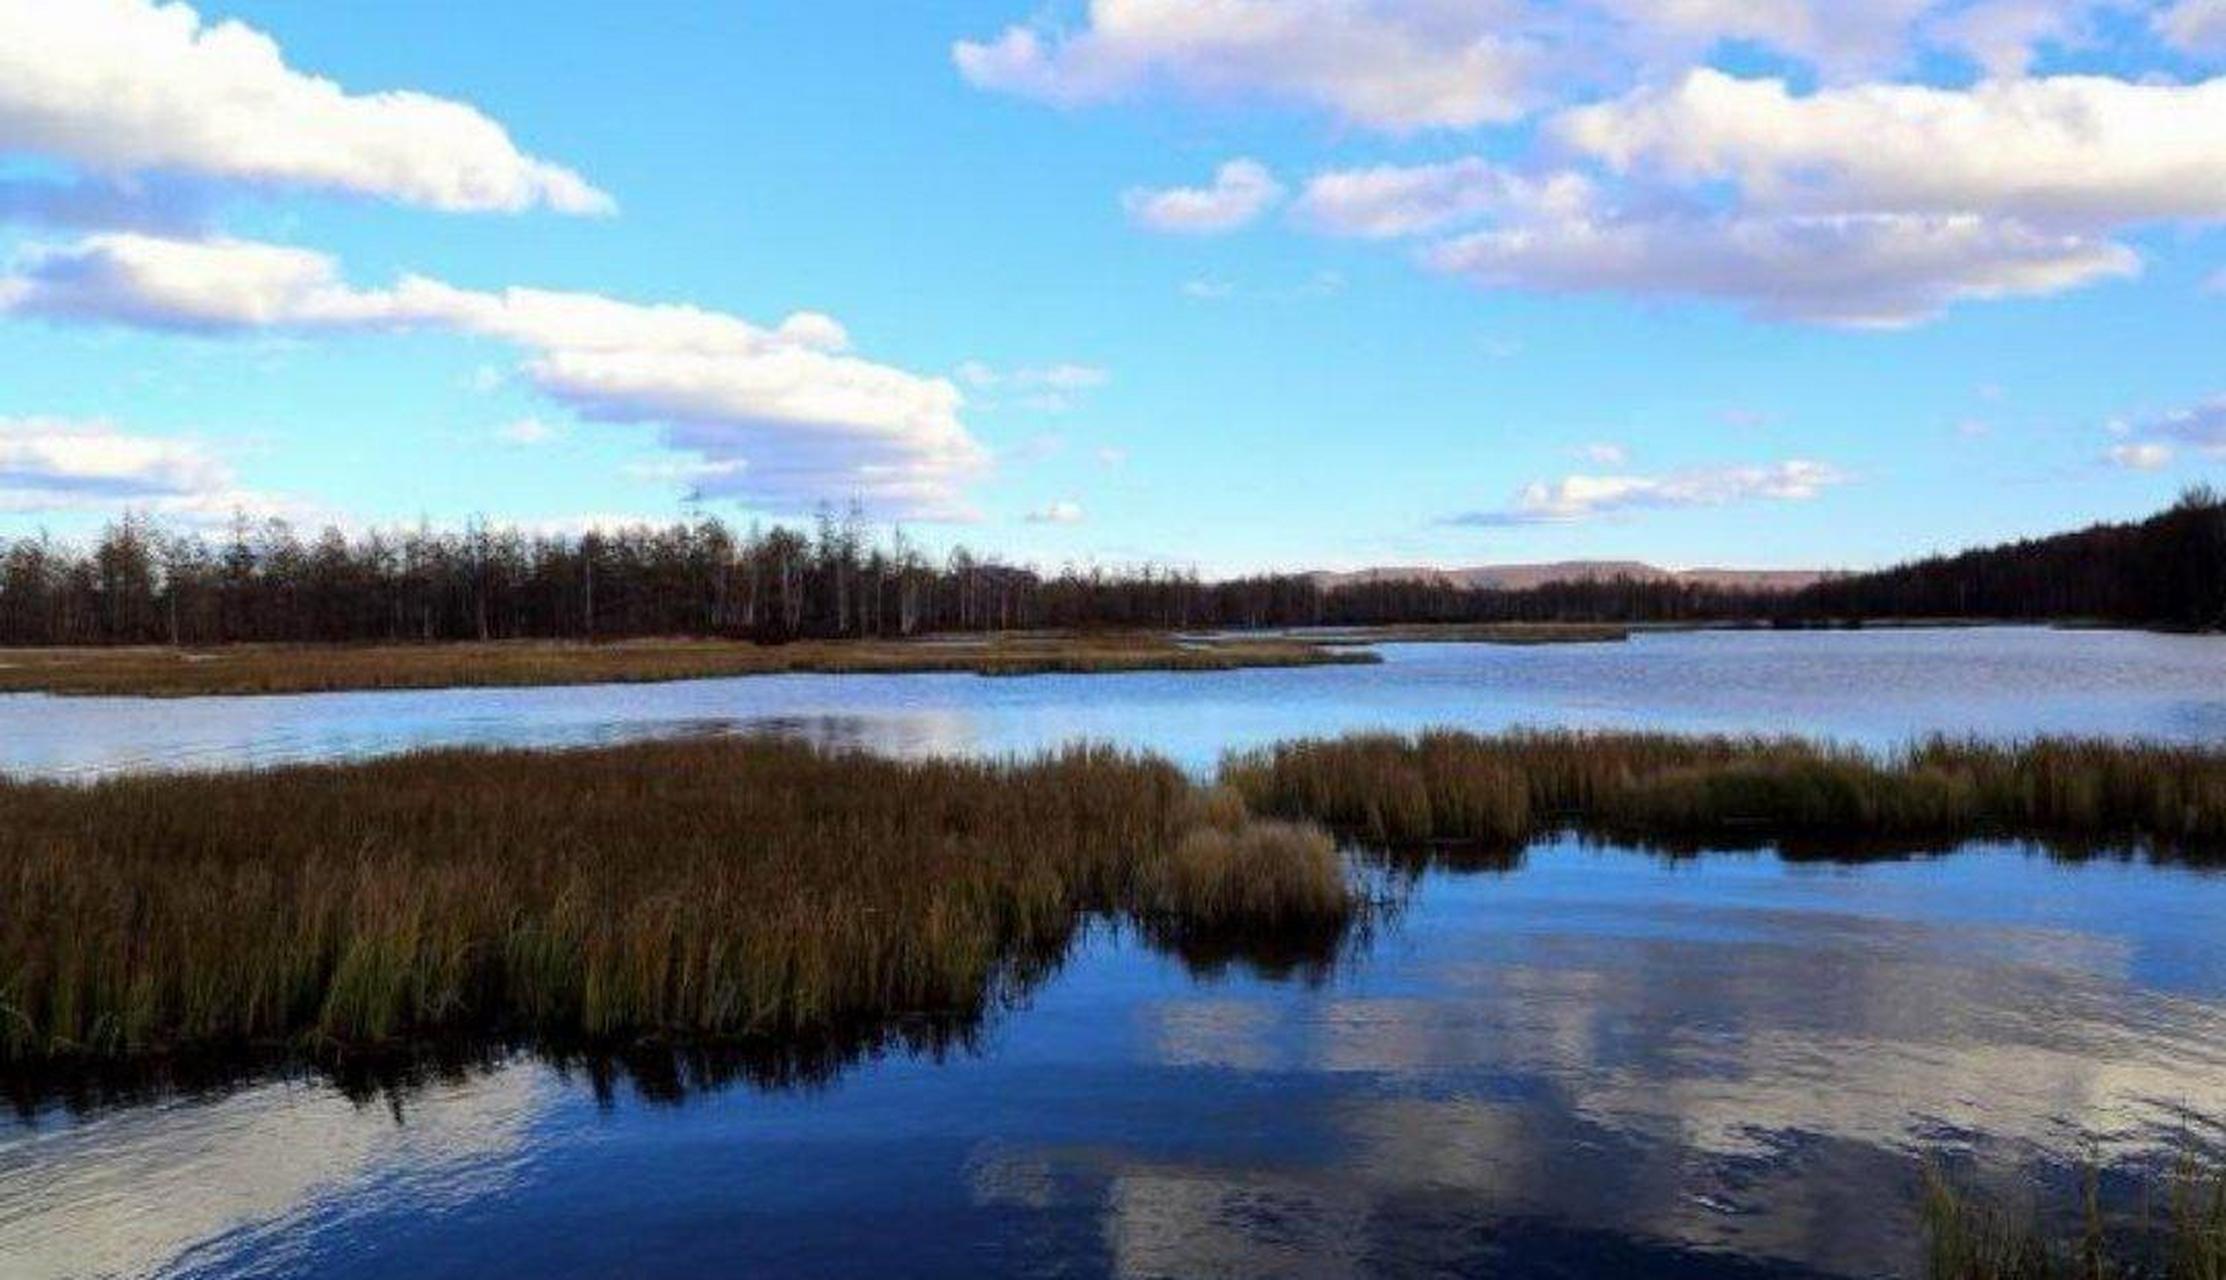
pixel 1224 284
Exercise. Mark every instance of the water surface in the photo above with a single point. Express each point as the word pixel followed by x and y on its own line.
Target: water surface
pixel 1878 687
pixel 1598 1063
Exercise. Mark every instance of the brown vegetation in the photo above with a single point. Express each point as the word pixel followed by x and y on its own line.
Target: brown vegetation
pixel 712 888
pixel 1697 790
pixel 262 669
pixel 750 888
pixel 1969 1238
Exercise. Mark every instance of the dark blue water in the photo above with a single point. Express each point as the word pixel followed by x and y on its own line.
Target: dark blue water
pixel 1876 687
pixel 1598 1063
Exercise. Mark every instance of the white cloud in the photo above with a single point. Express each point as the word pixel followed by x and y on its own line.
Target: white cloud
pixel 2153 443
pixel 527 432
pixel 1580 497
pixel 811 422
pixel 127 87
pixel 2144 455
pixel 2079 151
pixel 55 464
pixel 1604 453
pixel 2195 26
pixel 1242 190
pixel 1385 65
pixel 1865 271
pixel 1062 512
pixel 1110 456
pixel 1391 200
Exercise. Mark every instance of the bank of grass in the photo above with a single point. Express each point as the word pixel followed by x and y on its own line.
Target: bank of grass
pixel 697 889
pixel 2178 1235
pixel 745 888
pixel 1696 791
pixel 277 669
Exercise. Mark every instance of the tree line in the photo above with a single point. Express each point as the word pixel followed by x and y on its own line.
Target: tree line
pixel 141 583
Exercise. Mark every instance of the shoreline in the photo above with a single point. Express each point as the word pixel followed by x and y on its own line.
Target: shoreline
pixel 278 670
pixel 257 670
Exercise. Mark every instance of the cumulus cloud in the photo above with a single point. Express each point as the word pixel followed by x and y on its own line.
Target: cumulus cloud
pixel 1405 65
pixel 57 464
pixel 2081 151
pixel 1242 190
pixel 799 419
pixel 1862 271
pixel 1383 64
pixel 1581 497
pixel 1062 512
pixel 118 88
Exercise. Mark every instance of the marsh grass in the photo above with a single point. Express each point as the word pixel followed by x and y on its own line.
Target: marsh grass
pixel 1691 792
pixel 278 669
pixel 716 888
pixel 754 890
pixel 1969 1237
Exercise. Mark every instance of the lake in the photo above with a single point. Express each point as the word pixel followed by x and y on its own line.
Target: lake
pixel 1596 1060
pixel 1877 687
pixel 1588 1061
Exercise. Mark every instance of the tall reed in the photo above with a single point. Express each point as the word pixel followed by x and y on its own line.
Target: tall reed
pixel 1445 785
pixel 708 887
pixel 1968 1237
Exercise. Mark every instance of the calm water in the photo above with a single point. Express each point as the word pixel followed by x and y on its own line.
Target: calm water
pixel 1597 1062
pixel 1877 687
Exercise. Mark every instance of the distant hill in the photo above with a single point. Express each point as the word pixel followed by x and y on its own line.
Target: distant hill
pixel 1524 577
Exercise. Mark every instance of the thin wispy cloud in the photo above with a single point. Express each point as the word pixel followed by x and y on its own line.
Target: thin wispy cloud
pixel 1241 191
pixel 1583 497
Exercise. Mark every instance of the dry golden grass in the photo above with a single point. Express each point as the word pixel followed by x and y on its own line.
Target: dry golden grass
pixel 712 888
pixel 749 888
pixel 264 669
pixel 1654 788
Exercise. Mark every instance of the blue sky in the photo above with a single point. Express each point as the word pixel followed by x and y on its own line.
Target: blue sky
pixel 1231 283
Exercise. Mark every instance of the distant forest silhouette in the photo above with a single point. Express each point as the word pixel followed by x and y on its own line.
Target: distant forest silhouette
pixel 142 583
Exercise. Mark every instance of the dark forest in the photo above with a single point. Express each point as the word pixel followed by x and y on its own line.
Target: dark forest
pixel 142 583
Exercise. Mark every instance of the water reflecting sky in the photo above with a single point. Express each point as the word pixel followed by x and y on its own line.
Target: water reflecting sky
pixel 1878 687
pixel 1599 1061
